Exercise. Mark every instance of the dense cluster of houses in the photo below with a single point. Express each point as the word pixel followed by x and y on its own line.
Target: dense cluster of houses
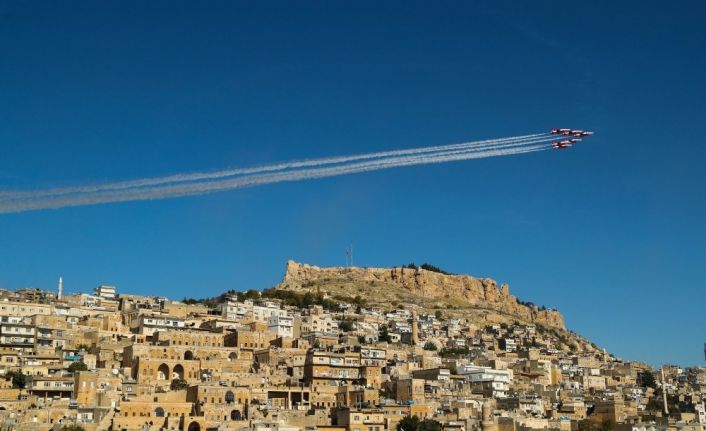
pixel 126 362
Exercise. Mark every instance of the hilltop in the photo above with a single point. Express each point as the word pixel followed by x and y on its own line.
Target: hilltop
pixel 480 300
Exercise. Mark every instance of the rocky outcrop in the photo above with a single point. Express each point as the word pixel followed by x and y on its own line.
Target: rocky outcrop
pixel 478 292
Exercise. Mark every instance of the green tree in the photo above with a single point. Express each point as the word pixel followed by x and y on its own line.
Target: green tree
pixel 647 379
pixel 429 346
pixel 77 366
pixel 605 425
pixel 438 314
pixel 250 294
pixel 178 384
pixel 454 352
pixel 429 425
pixel 346 325
pixel 430 267
pixel 18 379
pixel 358 301
pixel 384 335
pixel 408 423
pixel 412 423
pixel 307 300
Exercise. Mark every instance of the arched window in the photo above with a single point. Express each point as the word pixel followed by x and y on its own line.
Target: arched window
pixel 163 372
pixel 178 372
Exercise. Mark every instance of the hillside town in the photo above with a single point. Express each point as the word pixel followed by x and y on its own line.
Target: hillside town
pixel 291 361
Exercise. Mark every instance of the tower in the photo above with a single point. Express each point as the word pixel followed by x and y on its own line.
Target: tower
pixel 664 393
pixel 487 419
pixel 59 289
pixel 415 330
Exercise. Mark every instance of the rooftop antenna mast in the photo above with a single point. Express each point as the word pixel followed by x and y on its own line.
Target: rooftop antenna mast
pixel 349 256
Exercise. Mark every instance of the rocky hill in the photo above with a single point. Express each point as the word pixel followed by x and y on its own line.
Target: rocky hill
pixel 477 299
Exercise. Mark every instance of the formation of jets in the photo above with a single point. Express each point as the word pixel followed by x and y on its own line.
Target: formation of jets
pixel 566 143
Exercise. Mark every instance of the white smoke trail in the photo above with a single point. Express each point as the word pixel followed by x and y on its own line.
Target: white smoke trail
pixel 176 190
pixel 203 187
pixel 198 176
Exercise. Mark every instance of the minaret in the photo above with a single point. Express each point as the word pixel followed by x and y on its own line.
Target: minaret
pixel 61 285
pixel 487 419
pixel 664 393
pixel 415 330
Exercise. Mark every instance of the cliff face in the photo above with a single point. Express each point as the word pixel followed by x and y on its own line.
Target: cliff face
pixel 420 285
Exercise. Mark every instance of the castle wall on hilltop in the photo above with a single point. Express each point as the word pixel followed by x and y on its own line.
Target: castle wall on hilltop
pixel 483 292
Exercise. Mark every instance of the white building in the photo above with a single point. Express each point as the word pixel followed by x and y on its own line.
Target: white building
pixel 233 310
pixel 262 313
pixel 107 292
pixel 16 335
pixel 487 379
pixel 283 326
pixel 148 324
pixel 324 324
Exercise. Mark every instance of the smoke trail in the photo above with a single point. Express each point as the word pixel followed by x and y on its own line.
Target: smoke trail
pixel 11 195
pixel 177 190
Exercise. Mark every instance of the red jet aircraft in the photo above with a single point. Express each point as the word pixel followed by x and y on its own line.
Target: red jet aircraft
pixel 566 143
pixel 580 133
pixel 571 132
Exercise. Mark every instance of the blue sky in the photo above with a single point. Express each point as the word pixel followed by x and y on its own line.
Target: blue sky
pixel 611 232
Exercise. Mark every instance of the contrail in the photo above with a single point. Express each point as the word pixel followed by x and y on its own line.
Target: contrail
pixel 203 187
pixel 198 176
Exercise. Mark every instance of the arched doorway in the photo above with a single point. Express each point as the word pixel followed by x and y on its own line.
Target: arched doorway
pixel 188 355
pixel 163 372
pixel 233 356
pixel 194 426
pixel 230 397
pixel 178 372
pixel 235 415
pixel 159 412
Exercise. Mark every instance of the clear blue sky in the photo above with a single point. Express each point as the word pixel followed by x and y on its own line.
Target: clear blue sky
pixel 611 232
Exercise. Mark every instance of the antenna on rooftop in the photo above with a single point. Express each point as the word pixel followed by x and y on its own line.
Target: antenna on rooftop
pixel 349 256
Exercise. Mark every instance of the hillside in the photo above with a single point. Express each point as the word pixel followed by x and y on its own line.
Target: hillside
pixel 477 299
